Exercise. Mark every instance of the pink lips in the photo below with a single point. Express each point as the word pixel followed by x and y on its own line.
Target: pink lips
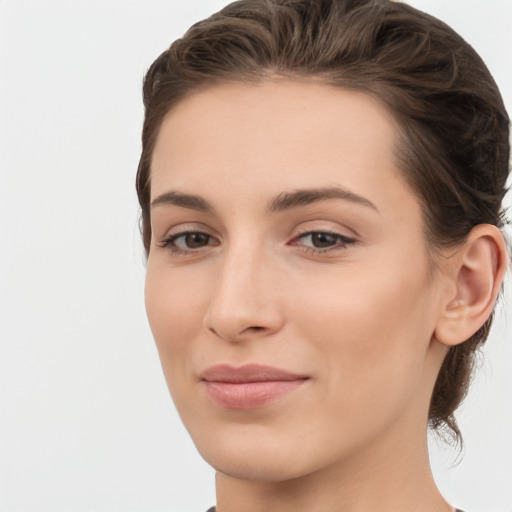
pixel 248 387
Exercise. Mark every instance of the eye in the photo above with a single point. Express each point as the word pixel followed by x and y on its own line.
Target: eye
pixel 323 241
pixel 186 242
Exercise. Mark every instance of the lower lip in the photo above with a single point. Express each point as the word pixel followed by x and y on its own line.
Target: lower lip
pixel 249 395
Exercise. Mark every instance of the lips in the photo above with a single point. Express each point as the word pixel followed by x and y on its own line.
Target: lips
pixel 250 386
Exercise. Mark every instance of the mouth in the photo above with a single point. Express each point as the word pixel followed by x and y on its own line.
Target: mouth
pixel 250 386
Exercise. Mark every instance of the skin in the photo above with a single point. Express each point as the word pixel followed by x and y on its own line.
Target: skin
pixel 357 316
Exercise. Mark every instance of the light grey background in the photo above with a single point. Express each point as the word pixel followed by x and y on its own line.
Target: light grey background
pixel 86 424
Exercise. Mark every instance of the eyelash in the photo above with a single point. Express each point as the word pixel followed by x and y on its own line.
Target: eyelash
pixel 342 242
pixel 169 242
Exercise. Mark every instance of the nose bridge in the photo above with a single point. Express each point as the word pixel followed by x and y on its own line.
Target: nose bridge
pixel 243 301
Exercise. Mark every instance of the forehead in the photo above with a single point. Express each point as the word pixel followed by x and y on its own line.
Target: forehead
pixel 257 139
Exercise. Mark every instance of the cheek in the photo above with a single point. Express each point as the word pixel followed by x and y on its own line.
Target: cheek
pixel 175 305
pixel 372 328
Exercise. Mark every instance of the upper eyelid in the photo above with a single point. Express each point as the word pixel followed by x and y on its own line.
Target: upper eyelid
pixel 174 236
pixel 189 227
pixel 302 232
pixel 177 234
pixel 332 231
pixel 337 231
pixel 343 239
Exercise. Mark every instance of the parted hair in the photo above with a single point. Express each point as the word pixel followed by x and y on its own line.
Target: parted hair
pixel 453 147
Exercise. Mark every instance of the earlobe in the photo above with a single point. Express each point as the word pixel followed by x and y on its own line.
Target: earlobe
pixel 479 266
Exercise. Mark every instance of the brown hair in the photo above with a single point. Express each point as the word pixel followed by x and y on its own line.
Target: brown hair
pixel 454 149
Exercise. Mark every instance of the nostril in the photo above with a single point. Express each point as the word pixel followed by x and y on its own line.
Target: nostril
pixel 236 335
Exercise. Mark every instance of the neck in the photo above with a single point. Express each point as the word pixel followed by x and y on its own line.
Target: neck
pixel 395 477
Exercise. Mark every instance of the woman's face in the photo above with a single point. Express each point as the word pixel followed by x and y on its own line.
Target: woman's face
pixel 288 285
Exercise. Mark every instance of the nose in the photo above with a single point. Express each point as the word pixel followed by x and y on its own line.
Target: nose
pixel 245 303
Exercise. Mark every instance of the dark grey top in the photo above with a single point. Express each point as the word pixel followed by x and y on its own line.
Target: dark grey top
pixel 213 509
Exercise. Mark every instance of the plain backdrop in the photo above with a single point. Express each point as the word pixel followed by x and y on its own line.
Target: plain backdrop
pixel 86 423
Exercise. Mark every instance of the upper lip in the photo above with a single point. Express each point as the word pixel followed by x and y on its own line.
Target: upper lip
pixel 248 373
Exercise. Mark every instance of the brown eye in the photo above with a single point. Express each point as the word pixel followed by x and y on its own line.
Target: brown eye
pixel 322 240
pixel 188 242
pixel 195 240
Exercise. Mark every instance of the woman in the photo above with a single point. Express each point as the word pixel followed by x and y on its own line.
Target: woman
pixel 321 185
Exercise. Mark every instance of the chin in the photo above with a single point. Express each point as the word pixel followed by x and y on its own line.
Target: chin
pixel 246 455
pixel 256 467
pixel 256 454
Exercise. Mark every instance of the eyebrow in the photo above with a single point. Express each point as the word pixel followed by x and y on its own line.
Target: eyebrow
pixel 190 201
pixel 303 197
pixel 282 202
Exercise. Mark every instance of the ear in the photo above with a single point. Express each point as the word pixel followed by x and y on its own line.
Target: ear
pixel 476 271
